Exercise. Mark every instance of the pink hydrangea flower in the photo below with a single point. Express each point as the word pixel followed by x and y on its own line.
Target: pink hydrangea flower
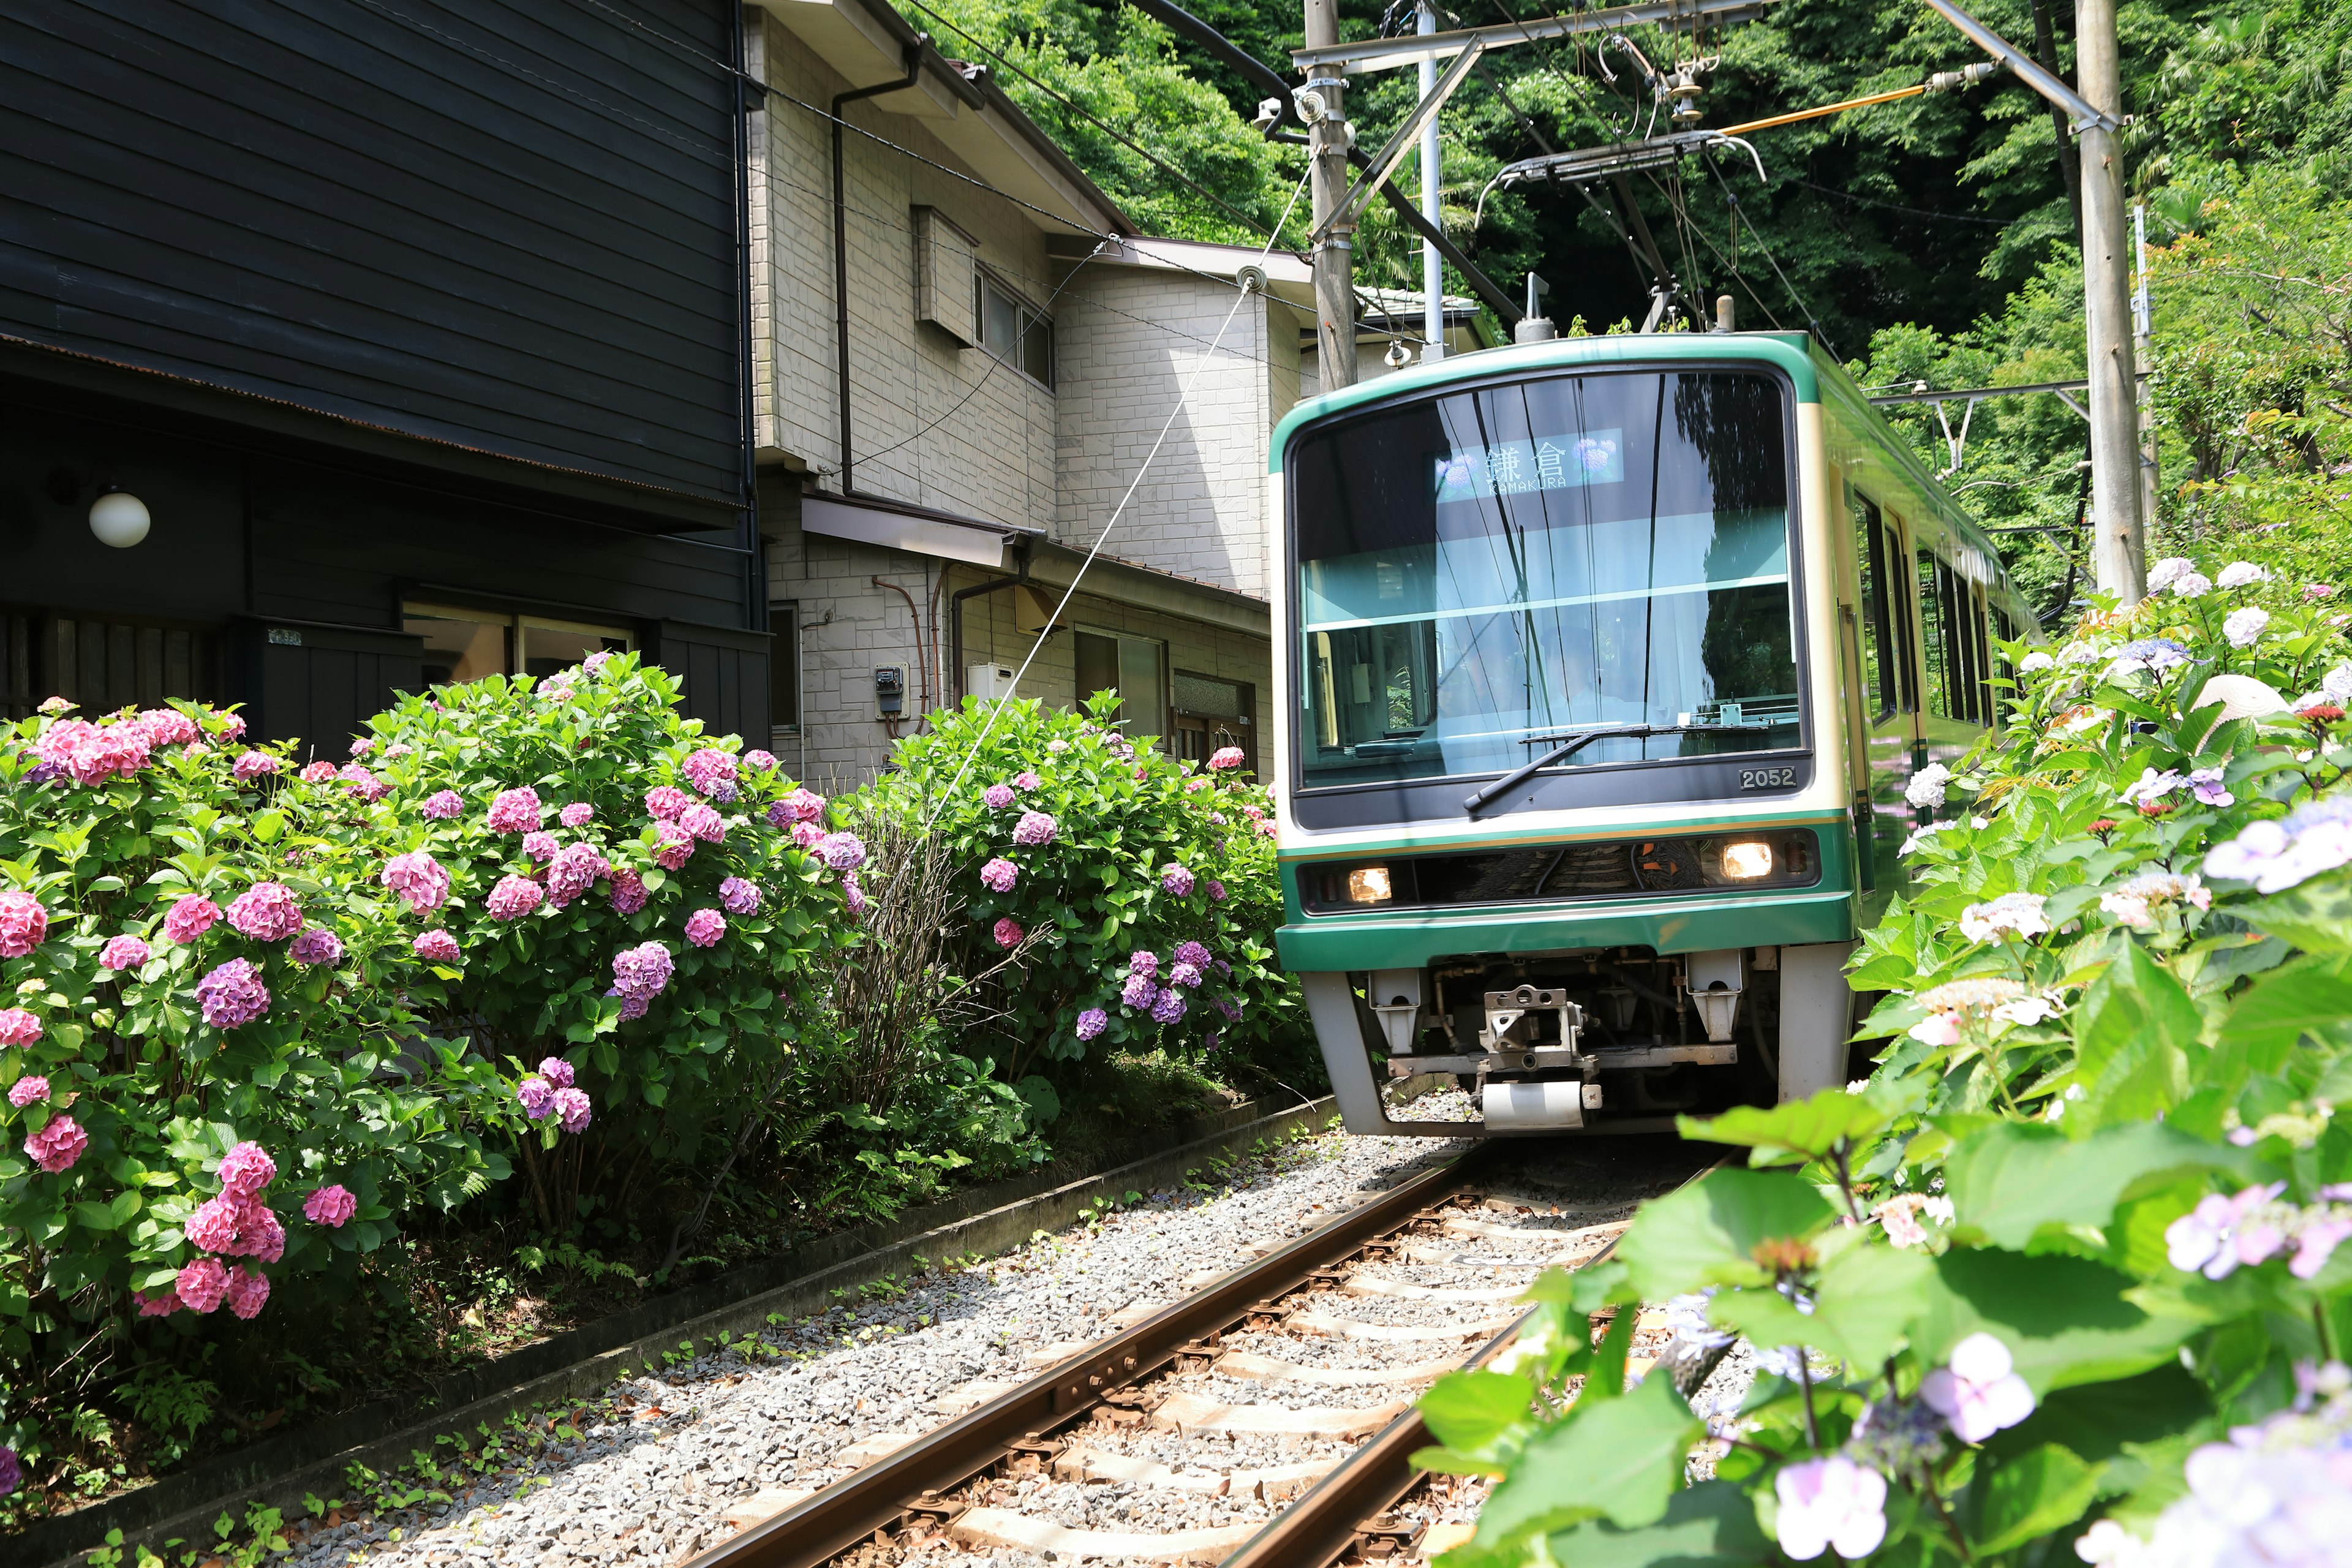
pixel 628 895
pixel 246 1169
pixel 363 745
pixel 123 952
pixel 1007 932
pixel 190 916
pixel 514 811
pixel 536 1096
pixel 1216 891
pixel 233 995
pixel 260 1235
pixel 852 897
pixel 213 1227
pixel 90 753
pixel 421 881
pixel 579 814
pixel 168 727
pixel 55 1147
pixel 232 726
pixel 808 834
pixel 358 781
pixel 997 796
pixel 1978 1391
pixel 707 769
pixel 999 874
pixel 317 773
pixel 842 851
pixel 12 1473
pixel 28 1090
pixel 316 945
pixel 514 898
pixel 1034 828
pixel 1829 1503
pixel 203 1284
pixel 539 845
pixel 1226 758
pixel 704 822
pixel 1195 785
pixel 23 923
pixel 267 911
pixel 704 927
pixel 331 1206
pixel 19 1027
pixel 1026 780
pixel 557 1071
pixel 664 802
pixel 803 805
pixel 759 760
pixel 575 868
pixel 437 947
pixel 161 1305
pixel 571 1109
pixel 642 970
pixel 677 845
pixel 1176 880
pixel 248 1291
pixel 739 897
pixel 1092 1023
pixel 442 805
pixel 251 765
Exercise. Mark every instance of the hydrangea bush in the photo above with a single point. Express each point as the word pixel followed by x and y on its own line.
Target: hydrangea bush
pixel 1136 893
pixel 2064 1278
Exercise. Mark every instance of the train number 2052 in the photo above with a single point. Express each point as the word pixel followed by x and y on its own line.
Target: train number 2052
pixel 1767 778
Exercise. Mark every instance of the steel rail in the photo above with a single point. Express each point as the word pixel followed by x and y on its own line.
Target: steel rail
pixel 883 1494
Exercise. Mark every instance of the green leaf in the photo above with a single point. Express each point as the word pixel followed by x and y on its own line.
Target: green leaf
pixel 2064 1319
pixel 1707 1233
pixel 2131 1048
pixel 1865 1300
pixel 2098 1420
pixel 1468 1410
pixel 2031 1495
pixel 2271 1019
pixel 2009 1180
pixel 2315 916
pixel 1813 1127
pixel 1619 1459
pixel 1712 1523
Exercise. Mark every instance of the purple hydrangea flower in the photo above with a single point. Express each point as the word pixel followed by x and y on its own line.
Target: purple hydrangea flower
pixel 556 1070
pixel 642 970
pixel 999 874
pixel 629 891
pixel 707 769
pixel 1092 1023
pixel 1176 880
pixel 575 868
pixel 704 927
pixel 1216 891
pixel 316 945
pixel 233 995
pixel 1169 1006
pixel 442 805
pixel 1193 953
pixel 852 897
pixel 1143 963
pixel 536 1096
pixel 1034 828
pixel 1184 974
pixel 571 1107
pixel 739 897
pixel 997 796
pixel 1139 991
pixel 842 851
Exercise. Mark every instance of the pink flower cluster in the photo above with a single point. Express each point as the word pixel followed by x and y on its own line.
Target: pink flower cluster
pixel 639 973
pixel 999 874
pixel 575 868
pixel 739 897
pixel 190 916
pixel 1034 828
pixel 709 771
pixel 317 772
pixel 514 811
pixel 331 1206
pixel 579 814
pixel 124 952
pixel 358 781
pixel 56 1146
pixel 437 947
pixel 251 765
pixel 421 881
pixel 28 1090
pixel 316 945
pixel 514 898
pixel 19 1027
pixel 628 894
pixel 267 911
pixel 800 805
pixel 168 727
pixel 1226 758
pixel 442 805
pixel 842 851
pixel 997 796
pixel 205 1284
pixel 1008 933
pixel 704 927
pixel 704 822
pixel 550 1092
pixel 674 846
pixel 23 923
pixel 2221 1234
pixel 538 846
pixel 1026 780
pixel 664 802
pixel 233 995
pixel 760 760
pixel 93 753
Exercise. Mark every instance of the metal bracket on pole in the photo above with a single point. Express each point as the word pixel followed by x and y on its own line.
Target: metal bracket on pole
pixel 1387 54
pixel 1392 151
pixel 2028 69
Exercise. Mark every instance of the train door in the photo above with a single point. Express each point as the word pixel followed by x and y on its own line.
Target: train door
pixel 1888 696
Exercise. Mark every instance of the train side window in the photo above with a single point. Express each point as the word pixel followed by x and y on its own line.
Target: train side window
pixel 1879 660
pixel 1934 629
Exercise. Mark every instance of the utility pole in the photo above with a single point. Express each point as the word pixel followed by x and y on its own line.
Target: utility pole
pixel 1432 207
pixel 2120 545
pixel 1327 145
pixel 2143 355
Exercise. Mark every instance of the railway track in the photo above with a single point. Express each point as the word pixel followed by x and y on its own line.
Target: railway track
pixel 1265 1418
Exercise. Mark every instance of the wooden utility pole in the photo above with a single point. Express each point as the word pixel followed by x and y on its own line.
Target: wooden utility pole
pixel 1335 272
pixel 2119 547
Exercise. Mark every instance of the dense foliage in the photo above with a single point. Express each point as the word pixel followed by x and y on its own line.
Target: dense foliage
pixel 2063 1278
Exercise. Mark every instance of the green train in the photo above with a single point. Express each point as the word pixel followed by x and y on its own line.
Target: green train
pixel 1604 664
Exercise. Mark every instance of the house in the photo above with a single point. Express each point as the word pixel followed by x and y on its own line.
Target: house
pixel 340 353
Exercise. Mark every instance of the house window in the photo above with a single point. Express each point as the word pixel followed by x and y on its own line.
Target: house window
pixel 784 670
pixel 1134 667
pixel 1012 330
pixel 462 645
pixel 1211 714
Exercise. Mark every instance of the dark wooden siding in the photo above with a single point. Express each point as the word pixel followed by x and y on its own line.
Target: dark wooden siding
pixel 504 223
pixel 319 684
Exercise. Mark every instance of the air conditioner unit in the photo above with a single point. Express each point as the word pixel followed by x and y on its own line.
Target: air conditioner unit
pixel 989 683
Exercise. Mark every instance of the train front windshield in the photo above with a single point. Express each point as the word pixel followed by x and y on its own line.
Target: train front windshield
pixel 1485 572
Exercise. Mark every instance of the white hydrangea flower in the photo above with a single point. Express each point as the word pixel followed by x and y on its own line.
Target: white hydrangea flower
pixel 2244 626
pixel 2241 574
pixel 1925 789
pixel 2079 653
pixel 2168 571
pixel 2193 585
pixel 2035 662
pixel 2012 913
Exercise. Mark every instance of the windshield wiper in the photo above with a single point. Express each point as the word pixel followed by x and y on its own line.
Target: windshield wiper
pixel 1571 745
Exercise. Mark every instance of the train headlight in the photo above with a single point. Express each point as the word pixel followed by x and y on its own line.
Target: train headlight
pixel 1744 859
pixel 1369 885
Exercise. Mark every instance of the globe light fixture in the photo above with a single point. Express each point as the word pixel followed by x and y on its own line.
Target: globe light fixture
pixel 119 519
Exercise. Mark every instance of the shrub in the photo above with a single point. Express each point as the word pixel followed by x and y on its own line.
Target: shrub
pixel 2072 1254
pixel 1134 895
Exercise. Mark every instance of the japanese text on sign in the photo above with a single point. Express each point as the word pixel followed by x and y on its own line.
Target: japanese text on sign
pixel 1521 468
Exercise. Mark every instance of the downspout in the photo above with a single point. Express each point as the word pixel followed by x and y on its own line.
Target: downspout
pixel 955 613
pixel 755 553
pixel 914 60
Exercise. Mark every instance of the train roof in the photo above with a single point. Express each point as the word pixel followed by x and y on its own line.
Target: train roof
pixel 1816 374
